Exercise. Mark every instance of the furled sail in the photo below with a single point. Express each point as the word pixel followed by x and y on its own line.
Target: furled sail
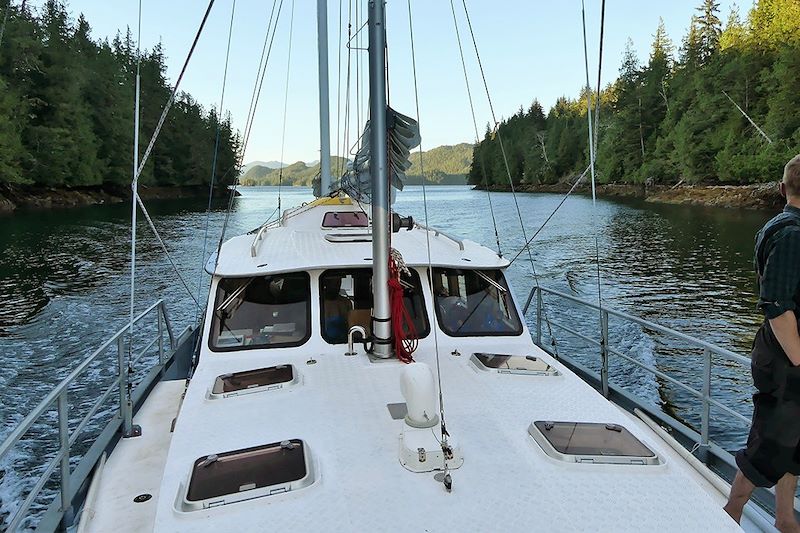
pixel 403 136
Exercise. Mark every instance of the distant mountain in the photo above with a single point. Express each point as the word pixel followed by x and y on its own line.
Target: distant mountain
pixel 444 165
pixel 299 173
pixel 268 164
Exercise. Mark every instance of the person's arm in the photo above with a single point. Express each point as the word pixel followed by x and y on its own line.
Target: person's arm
pixel 785 329
pixel 779 285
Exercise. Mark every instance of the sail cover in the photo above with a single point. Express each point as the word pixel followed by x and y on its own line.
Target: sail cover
pixel 403 136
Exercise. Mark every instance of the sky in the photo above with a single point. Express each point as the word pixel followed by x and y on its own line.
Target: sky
pixel 529 49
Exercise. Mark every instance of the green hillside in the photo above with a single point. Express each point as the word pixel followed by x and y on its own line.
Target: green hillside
pixel 444 165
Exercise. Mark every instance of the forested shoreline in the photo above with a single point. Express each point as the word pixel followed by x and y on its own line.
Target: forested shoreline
pixel 669 121
pixel 67 111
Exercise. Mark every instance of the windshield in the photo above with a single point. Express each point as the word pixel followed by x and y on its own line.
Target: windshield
pixel 347 301
pixel 261 312
pixel 474 302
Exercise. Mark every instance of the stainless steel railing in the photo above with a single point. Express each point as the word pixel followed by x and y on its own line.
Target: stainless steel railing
pixel 59 395
pixel 606 351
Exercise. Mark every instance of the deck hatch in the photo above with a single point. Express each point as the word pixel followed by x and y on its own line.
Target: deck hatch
pixel 513 364
pixel 587 442
pixel 220 479
pixel 257 380
pixel 345 219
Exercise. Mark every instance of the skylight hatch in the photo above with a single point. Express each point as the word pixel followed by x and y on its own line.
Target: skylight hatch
pixel 587 442
pixel 257 380
pixel 221 479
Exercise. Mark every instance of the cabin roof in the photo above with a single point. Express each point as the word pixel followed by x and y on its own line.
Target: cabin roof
pixel 300 242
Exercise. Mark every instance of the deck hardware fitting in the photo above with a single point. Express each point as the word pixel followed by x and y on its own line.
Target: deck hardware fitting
pixel 421 452
pixel 311 361
pixel 141 498
pixel 455 353
pixel 211 459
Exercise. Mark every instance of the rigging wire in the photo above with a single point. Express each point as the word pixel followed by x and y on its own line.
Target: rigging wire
pixel 285 104
pixel 443 425
pixel 592 155
pixel 507 167
pixel 551 215
pixel 266 52
pixel 339 92
pixel 174 93
pixel 475 125
pixel 135 181
pixel 214 163
pixel 138 165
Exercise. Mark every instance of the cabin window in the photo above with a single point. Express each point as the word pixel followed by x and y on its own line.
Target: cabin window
pixel 261 312
pixel 346 301
pixel 474 302
pixel 345 219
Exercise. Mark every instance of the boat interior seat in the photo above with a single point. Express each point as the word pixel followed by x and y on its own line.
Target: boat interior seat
pixel 360 317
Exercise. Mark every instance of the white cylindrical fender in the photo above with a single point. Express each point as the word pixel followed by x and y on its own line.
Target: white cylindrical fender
pixel 419 390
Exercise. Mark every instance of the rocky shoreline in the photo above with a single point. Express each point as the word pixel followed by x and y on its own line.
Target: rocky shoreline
pixel 760 196
pixel 33 198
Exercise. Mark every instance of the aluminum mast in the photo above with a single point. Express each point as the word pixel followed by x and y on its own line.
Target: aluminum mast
pixel 324 112
pixel 381 313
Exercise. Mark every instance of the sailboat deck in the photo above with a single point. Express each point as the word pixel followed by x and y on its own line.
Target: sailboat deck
pixel 506 483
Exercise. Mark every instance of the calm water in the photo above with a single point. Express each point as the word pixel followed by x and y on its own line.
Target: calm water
pixel 64 282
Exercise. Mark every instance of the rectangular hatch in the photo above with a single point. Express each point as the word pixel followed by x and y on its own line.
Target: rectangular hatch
pixel 249 381
pixel 587 442
pixel 220 479
pixel 513 364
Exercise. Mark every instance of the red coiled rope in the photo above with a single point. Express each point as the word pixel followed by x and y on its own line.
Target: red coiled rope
pixel 403 330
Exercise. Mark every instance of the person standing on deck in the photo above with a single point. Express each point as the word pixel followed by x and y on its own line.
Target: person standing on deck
pixel 772 453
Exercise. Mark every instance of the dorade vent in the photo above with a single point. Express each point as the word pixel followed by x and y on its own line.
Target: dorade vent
pixel 586 442
pixel 250 381
pixel 345 219
pixel 349 237
pixel 224 478
pixel 513 364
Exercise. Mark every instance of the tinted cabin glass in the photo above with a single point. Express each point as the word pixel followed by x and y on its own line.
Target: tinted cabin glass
pixel 474 302
pixel 346 301
pixel 252 468
pixel 345 219
pixel 261 312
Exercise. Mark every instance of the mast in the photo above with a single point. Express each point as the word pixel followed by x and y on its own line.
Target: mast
pixel 324 113
pixel 381 313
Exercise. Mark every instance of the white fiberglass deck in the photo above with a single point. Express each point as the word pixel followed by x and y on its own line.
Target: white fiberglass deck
pixel 506 482
pixel 338 408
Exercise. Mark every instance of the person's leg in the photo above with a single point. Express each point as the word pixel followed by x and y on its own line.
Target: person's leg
pixel 741 489
pixel 784 505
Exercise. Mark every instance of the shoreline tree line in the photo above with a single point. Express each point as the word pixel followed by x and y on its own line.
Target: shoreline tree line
pixel 67 109
pixel 674 118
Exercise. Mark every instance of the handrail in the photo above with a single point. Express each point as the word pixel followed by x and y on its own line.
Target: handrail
pixel 704 395
pixel 437 232
pixel 646 323
pixel 59 396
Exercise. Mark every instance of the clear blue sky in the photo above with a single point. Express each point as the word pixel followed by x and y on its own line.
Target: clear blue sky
pixel 529 48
